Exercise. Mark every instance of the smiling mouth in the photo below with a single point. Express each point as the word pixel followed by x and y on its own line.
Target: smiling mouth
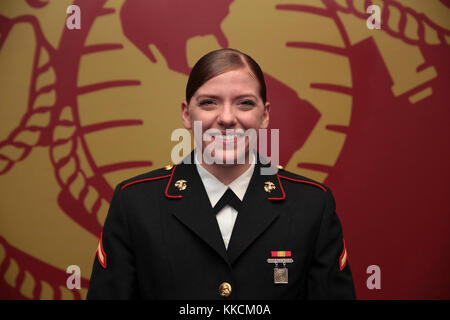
pixel 227 139
pixel 228 136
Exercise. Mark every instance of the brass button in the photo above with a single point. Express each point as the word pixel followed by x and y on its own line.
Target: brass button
pixel 225 289
pixel 168 167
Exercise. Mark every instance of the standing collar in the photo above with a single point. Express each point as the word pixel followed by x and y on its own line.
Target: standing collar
pixel 186 172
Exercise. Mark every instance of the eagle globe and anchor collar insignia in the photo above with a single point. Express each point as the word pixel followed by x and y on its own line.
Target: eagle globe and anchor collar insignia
pixel 271 183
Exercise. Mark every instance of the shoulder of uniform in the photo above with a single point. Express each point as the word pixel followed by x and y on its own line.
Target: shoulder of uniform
pixel 296 178
pixel 154 175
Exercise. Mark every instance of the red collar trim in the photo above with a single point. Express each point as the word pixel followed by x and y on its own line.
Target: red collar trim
pixel 282 190
pixel 168 184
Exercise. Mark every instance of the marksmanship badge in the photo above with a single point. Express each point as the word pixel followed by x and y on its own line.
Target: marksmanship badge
pixel 280 274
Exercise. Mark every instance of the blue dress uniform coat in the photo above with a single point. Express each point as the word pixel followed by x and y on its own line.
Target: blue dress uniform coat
pixel 161 240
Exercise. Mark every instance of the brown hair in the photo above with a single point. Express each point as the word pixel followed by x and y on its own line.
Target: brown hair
pixel 220 61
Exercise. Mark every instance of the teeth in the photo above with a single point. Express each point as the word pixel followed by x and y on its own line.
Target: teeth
pixel 228 136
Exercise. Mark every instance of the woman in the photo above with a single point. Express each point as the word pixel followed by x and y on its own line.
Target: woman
pixel 214 227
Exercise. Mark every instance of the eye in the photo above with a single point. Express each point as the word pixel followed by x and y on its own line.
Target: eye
pixel 206 102
pixel 248 102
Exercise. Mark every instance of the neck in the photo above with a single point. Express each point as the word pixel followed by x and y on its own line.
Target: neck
pixel 227 173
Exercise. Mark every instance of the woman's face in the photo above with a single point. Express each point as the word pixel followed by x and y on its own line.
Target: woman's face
pixel 229 101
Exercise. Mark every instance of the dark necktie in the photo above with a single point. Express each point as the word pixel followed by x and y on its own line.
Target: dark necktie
pixel 230 198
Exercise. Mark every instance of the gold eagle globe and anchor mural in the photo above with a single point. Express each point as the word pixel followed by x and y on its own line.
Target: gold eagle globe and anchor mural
pixel 364 111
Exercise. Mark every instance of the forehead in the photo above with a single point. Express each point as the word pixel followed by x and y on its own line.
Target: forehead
pixel 231 82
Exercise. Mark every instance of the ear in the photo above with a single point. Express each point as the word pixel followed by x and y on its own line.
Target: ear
pixel 185 115
pixel 265 116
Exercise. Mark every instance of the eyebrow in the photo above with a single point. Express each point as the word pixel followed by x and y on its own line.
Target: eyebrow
pixel 211 96
pixel 207 96
pixel 246 96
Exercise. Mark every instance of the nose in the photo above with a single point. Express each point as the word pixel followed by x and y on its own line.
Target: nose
pixel 227 116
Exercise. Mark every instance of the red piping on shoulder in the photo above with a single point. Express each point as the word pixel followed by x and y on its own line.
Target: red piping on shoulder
pixel 142 180
pixel 168 184
pixel 303 181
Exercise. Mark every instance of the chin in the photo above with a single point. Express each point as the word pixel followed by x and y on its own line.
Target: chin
pixel 231 157
pixel 228 157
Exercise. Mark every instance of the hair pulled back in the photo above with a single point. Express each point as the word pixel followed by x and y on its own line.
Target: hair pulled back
pixel 220 61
